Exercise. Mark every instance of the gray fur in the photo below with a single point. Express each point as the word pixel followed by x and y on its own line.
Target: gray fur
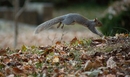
pixel 69 19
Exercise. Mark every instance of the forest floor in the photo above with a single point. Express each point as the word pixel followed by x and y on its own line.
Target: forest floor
pixel 63 53
pixel 86 57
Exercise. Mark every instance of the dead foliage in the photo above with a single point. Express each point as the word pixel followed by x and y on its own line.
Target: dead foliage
pixel 106 57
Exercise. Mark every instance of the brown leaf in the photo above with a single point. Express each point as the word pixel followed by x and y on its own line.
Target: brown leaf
pixel 97 63
pixel 58 42
pixel 7 70
pixel 88 65
pixel 6 60
pixel 126 35
pixel 29 69
pixel 61 75
pixel 73 40
pixel 1 74
pixel 86 57
pixel 105 72
pixel 63 53
pixel 47 51
pixel 2 52
pixel 56 70
pixel 17 71
pixel 99 41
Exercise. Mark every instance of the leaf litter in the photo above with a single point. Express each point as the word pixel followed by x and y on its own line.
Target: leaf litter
pixel 106 57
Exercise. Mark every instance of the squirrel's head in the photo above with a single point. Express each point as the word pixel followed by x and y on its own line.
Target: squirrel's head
pixel 97 22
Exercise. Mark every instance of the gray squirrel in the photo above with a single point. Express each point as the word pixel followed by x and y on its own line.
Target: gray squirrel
pixel 69 19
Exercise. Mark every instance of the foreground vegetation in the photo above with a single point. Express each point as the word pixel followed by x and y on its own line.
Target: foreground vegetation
pixel 108 57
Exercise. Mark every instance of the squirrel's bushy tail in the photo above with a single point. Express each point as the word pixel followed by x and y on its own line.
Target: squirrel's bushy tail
pixel 48 24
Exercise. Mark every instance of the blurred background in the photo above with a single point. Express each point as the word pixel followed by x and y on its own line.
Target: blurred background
pixel 19 18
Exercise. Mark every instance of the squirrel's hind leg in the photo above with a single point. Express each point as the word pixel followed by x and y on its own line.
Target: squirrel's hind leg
pixel 59 25
pixel 62 26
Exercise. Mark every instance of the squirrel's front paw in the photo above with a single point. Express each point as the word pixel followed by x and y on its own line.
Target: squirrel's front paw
pixel 101 35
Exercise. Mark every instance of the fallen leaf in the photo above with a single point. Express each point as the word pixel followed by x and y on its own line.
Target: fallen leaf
pixel 98 41
pixel 55 59
pixel 1 74
pixel 88 65
pixel 111 75
pixel 58 42
pixel 24 48
pixel 2 52
pixel 17 71
pixel 111 63
pixel 73 41
pixel 94 73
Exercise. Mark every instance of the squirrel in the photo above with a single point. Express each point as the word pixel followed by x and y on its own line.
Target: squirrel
pixel 69 19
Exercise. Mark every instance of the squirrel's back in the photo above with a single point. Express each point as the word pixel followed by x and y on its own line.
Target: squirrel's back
pixel 75 17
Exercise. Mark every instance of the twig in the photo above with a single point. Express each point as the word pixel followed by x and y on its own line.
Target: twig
pixel 16 16
pixel 22 9
pixel 52 40
pixel 63 34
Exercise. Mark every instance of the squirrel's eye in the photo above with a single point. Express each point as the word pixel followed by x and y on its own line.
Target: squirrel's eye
pixel 99 23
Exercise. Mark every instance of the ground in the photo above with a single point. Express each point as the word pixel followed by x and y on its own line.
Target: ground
pixel 27 37
pixel 106 57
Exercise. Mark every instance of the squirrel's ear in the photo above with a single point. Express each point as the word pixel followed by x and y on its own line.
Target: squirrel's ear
pixel 95 19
